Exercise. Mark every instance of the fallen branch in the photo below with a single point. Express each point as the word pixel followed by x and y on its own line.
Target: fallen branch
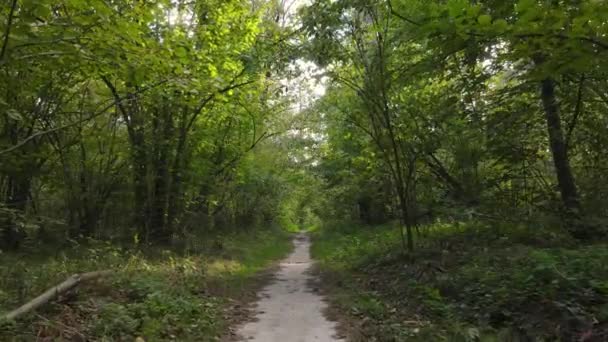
pixel 53 292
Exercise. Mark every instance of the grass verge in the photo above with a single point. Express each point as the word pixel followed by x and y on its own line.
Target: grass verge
pixel 158 295
pixel 468 282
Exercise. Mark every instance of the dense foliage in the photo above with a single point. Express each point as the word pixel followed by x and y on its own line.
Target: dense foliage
pixel 474 131
pixel 488 109
pixel 134 120
pixel 146 137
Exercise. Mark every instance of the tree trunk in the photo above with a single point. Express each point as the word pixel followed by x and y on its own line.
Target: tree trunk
pixel 442 174
pixel 405 216
pixel 132 116
pixel 401 189
pixel 18 195
pixel 559 151
pixel 140 187
pixel 175 196
pixel 85 226
pixel 161 231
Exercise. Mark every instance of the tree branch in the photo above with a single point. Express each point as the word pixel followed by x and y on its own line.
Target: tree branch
pixel 208 99
pixel 8 29
pixel 400 16
pixel 102 111
pixel 53 292
pixel 577 111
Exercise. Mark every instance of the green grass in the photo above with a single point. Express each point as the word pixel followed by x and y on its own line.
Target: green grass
pixel 156 294
pixel 467 281
pixel 347 245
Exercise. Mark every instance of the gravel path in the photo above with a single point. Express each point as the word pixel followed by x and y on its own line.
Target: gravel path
pixel 289 310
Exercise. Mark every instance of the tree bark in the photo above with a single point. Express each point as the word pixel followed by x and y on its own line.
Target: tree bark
pixel 175 196
pixel 402 190
pixel 18 197
pixel 86 226
pixel 559 151
pixel 132 116
pixel 444 176
pixel 140 186
pixel 161 231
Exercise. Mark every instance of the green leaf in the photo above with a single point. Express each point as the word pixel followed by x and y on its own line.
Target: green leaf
pixel 15 115
pixel 212 70
pixel 180 52
pixel 501 25
pixel 43 11
pixel 473 11
pixel 524 5
pixel 484 19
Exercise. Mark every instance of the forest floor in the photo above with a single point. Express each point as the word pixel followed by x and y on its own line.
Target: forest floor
pixel 158 295
pixel 465 282
pixel 290 309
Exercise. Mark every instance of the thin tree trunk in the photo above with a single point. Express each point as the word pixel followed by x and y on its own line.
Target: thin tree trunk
pixel 131 115
pixel 19 190
pixel 140 187
pixel 175 196
pixel 85 226
pixel 403 196
pixel 443 175
pixel 565 178
pixel 161 229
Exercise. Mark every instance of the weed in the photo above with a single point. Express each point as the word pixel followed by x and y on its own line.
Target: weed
pixel 469 282
pixel 158 295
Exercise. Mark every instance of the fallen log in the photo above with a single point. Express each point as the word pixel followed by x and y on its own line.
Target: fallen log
pixel 53 292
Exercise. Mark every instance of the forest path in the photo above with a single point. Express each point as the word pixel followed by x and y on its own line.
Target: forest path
pixel 289 310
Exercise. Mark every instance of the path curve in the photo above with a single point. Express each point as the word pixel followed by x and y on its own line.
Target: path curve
pixel 289 310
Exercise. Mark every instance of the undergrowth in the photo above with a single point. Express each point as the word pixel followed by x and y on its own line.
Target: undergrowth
pixel 154 294
pixel 466 282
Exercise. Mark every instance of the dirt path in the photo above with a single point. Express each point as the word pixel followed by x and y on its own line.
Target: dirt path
pixel 289 310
